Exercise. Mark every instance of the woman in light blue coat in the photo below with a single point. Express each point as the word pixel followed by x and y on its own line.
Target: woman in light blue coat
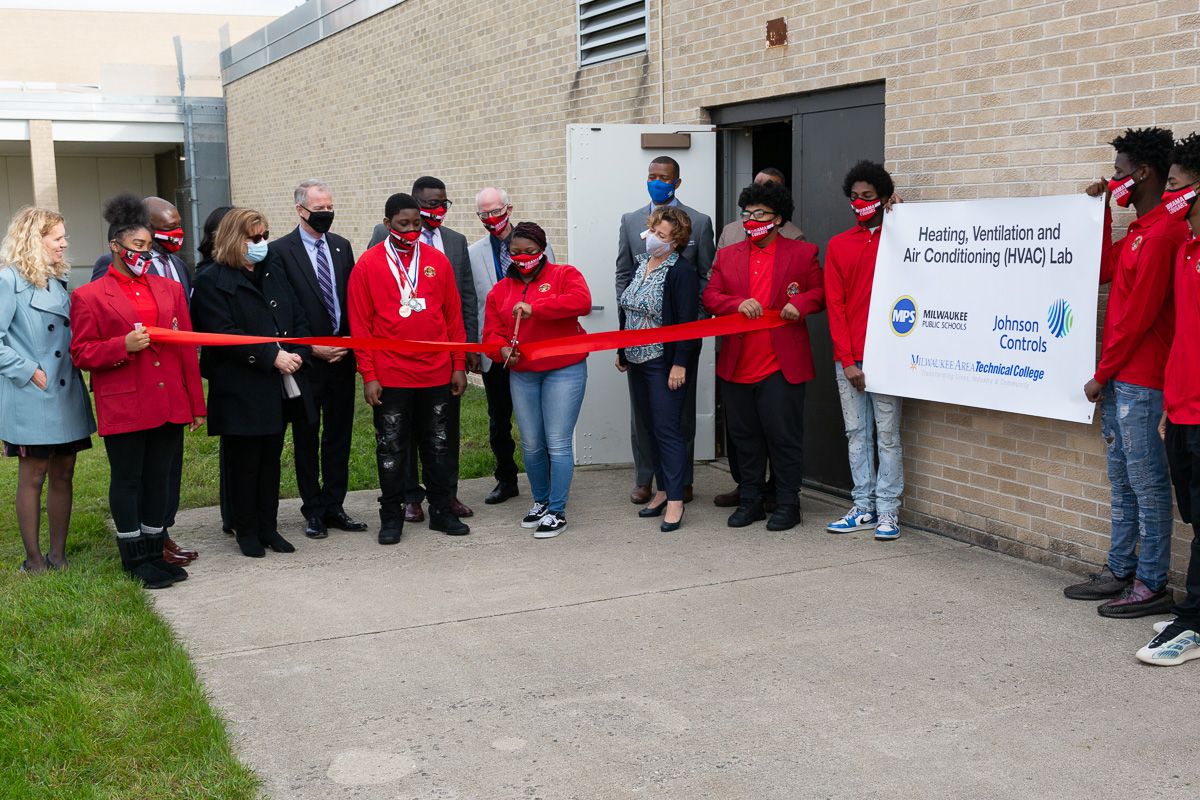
pixel 45 415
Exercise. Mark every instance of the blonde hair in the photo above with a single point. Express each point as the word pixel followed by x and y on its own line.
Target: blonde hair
pixel 24 249
pixel 229 242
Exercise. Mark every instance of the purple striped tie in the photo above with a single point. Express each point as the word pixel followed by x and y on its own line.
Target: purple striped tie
pixel 325 278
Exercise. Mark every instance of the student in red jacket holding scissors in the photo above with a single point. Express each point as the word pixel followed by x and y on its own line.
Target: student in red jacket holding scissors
pixel 145 391
pixel 539 300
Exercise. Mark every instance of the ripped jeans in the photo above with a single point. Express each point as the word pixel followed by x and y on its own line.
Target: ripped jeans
pixel 413 417
pixel 864 414
pixel 1141 482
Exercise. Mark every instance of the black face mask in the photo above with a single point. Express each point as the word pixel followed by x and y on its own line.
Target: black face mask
pixel 319 221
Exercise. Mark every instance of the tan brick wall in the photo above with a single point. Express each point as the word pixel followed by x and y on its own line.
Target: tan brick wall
pixel 984 99
pixel 41 157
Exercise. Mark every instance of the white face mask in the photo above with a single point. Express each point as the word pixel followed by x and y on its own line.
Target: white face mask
pixel 656 247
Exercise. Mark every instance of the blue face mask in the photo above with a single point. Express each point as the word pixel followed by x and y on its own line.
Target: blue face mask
pixel 661 192
pixel 256 251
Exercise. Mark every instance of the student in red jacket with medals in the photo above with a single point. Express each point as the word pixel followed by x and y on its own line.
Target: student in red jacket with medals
pixel 145 392
pixel 540 300
pixel 763 373
pixel 401 290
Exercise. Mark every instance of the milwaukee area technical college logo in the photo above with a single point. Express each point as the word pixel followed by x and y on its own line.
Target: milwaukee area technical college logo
pixel 904 316
pixel 1060 318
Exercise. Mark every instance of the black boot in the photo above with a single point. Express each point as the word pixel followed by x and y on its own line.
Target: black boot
pixel 748 511
pixel 391 526
pixel 447 523
pixel 154 544
pixel 250 545
pixel 135 561
pixel 786 517
pixel 502 492
pixel 273 540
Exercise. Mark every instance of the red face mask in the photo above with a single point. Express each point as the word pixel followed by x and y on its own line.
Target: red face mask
pixel 496 225
pixel 433 216
pixel 1179 202
pixel 1122 190
pixel 136 260
pixel 757 231
pixel 865 209
pixel 405 241
pixel 526 262
pixel 170 240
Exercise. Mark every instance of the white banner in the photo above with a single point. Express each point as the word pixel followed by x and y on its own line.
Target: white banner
pixel 988 303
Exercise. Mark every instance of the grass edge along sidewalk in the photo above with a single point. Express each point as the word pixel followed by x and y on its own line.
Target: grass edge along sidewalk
pixel 98 698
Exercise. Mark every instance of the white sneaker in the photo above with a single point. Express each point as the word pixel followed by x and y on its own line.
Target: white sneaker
pixel 1177 643
pixel 550 526
pixel 534 517
pixel 888 527
pixel 1162 625
pixel 855 520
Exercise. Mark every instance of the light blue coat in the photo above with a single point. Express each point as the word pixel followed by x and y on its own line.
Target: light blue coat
pixel 35 332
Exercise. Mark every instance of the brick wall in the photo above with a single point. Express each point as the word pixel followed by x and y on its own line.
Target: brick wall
pixel 984 99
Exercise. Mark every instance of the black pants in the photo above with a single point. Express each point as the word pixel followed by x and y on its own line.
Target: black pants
pixel 641 438
pixel 500 422
pixel 414 492
pixel 173 486
pixel 1183 456
pixel 140 475
pixel 766 420
pixel 252 481
pixel 735 464
pixel 662 410
pixel 408 418
pixel 323 446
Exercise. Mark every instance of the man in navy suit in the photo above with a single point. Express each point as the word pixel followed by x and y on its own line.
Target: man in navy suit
pixel 318 264
pixel 662 180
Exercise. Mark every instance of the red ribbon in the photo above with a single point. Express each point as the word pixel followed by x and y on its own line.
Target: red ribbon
pixel 568 345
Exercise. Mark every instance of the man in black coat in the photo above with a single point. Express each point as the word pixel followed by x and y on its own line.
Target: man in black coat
pixel 317 265
pixel 430 194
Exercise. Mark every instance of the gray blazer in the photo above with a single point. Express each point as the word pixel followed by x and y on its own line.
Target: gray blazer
pixel 483 272
pixel 456 253
pixel 35 333
pixel 700 251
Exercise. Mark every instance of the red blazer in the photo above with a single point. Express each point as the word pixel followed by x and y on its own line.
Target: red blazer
pixel 798 281
pixel 139 391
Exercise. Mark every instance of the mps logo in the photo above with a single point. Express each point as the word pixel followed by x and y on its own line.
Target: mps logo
pixel 430 272
pixel 1060 318
pixel 545 287
pixel 904 316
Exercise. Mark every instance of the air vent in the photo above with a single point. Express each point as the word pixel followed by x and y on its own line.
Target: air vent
pixel 611 29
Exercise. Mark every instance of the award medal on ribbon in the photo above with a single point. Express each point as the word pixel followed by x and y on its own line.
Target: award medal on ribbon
pixel 406 279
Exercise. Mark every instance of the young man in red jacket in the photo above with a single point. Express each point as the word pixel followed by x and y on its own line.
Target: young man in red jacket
pixel 1179 639
pixel 1138 327
pixel 401 290
pixel 763 373
pixel 849 275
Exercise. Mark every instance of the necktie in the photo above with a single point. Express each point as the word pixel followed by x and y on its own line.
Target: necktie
pixel 325 278
pixel 428 237
pixel 505 260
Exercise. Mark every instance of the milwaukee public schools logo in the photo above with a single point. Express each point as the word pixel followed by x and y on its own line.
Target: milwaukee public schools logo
pixel 904 316
pixel 1060 318
pixel 944 319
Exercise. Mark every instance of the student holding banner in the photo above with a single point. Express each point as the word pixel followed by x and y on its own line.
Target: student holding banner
pixel 1128 383
pixel 1178 640
pixel 849 275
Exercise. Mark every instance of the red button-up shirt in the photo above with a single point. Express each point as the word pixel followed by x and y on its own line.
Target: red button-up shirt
pixel 140 295
pixel 757 360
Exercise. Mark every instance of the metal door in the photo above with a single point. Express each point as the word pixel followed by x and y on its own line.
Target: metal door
pixel 606 177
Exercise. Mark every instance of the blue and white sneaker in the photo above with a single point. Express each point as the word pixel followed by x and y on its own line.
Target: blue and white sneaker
pixel 888 527
pixel 1177 643
pixel 855 520
pixel 1162 625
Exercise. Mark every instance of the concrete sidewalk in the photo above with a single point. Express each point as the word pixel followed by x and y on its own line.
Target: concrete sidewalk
pixel 618 661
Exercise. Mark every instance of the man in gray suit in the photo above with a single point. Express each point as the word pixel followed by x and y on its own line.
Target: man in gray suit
pixel 430 194
pixel 489 264
pixel 661 181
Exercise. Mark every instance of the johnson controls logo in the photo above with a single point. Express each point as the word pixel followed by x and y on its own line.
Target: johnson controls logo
pixel 1060 318
pixel 904 316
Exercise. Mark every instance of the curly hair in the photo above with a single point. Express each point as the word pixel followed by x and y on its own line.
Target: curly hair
pixel 24 250
pixel 1150 147
pixel 1186 154
pixel 124 213
pixel 872 173
pixel 681 224
pixel 772 195
pixel 531 231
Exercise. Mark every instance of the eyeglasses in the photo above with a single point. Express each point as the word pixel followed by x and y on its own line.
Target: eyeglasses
pixel 428 204
pixel 259 237
pixel 495 212
pixel 757 216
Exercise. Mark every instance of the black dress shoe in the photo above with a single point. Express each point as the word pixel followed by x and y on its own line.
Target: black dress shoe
pixel 748 512
pixel 652 511
pixel 667 527
pixel 502 492
pixel 785 518
pixel 315 528
pixel 339 520
pixel 447 523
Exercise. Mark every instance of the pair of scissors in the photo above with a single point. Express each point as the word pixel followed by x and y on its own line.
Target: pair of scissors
pixel 513 342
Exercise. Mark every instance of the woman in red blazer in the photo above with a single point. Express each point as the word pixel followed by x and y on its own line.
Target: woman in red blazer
pixel 762 373
pixel 145 392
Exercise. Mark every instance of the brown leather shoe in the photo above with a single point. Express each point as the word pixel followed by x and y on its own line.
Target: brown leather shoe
pixel 174 558
pixel 640 495
pixel 460 510
pixel 687 493
pixel 413 512
pixel 171 546
pixel 729 499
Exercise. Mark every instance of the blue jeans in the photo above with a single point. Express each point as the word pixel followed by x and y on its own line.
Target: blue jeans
pixel 865 413
pixel 1141 483
pixel 546 405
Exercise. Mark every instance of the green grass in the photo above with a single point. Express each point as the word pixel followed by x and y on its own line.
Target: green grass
pixel 97 698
